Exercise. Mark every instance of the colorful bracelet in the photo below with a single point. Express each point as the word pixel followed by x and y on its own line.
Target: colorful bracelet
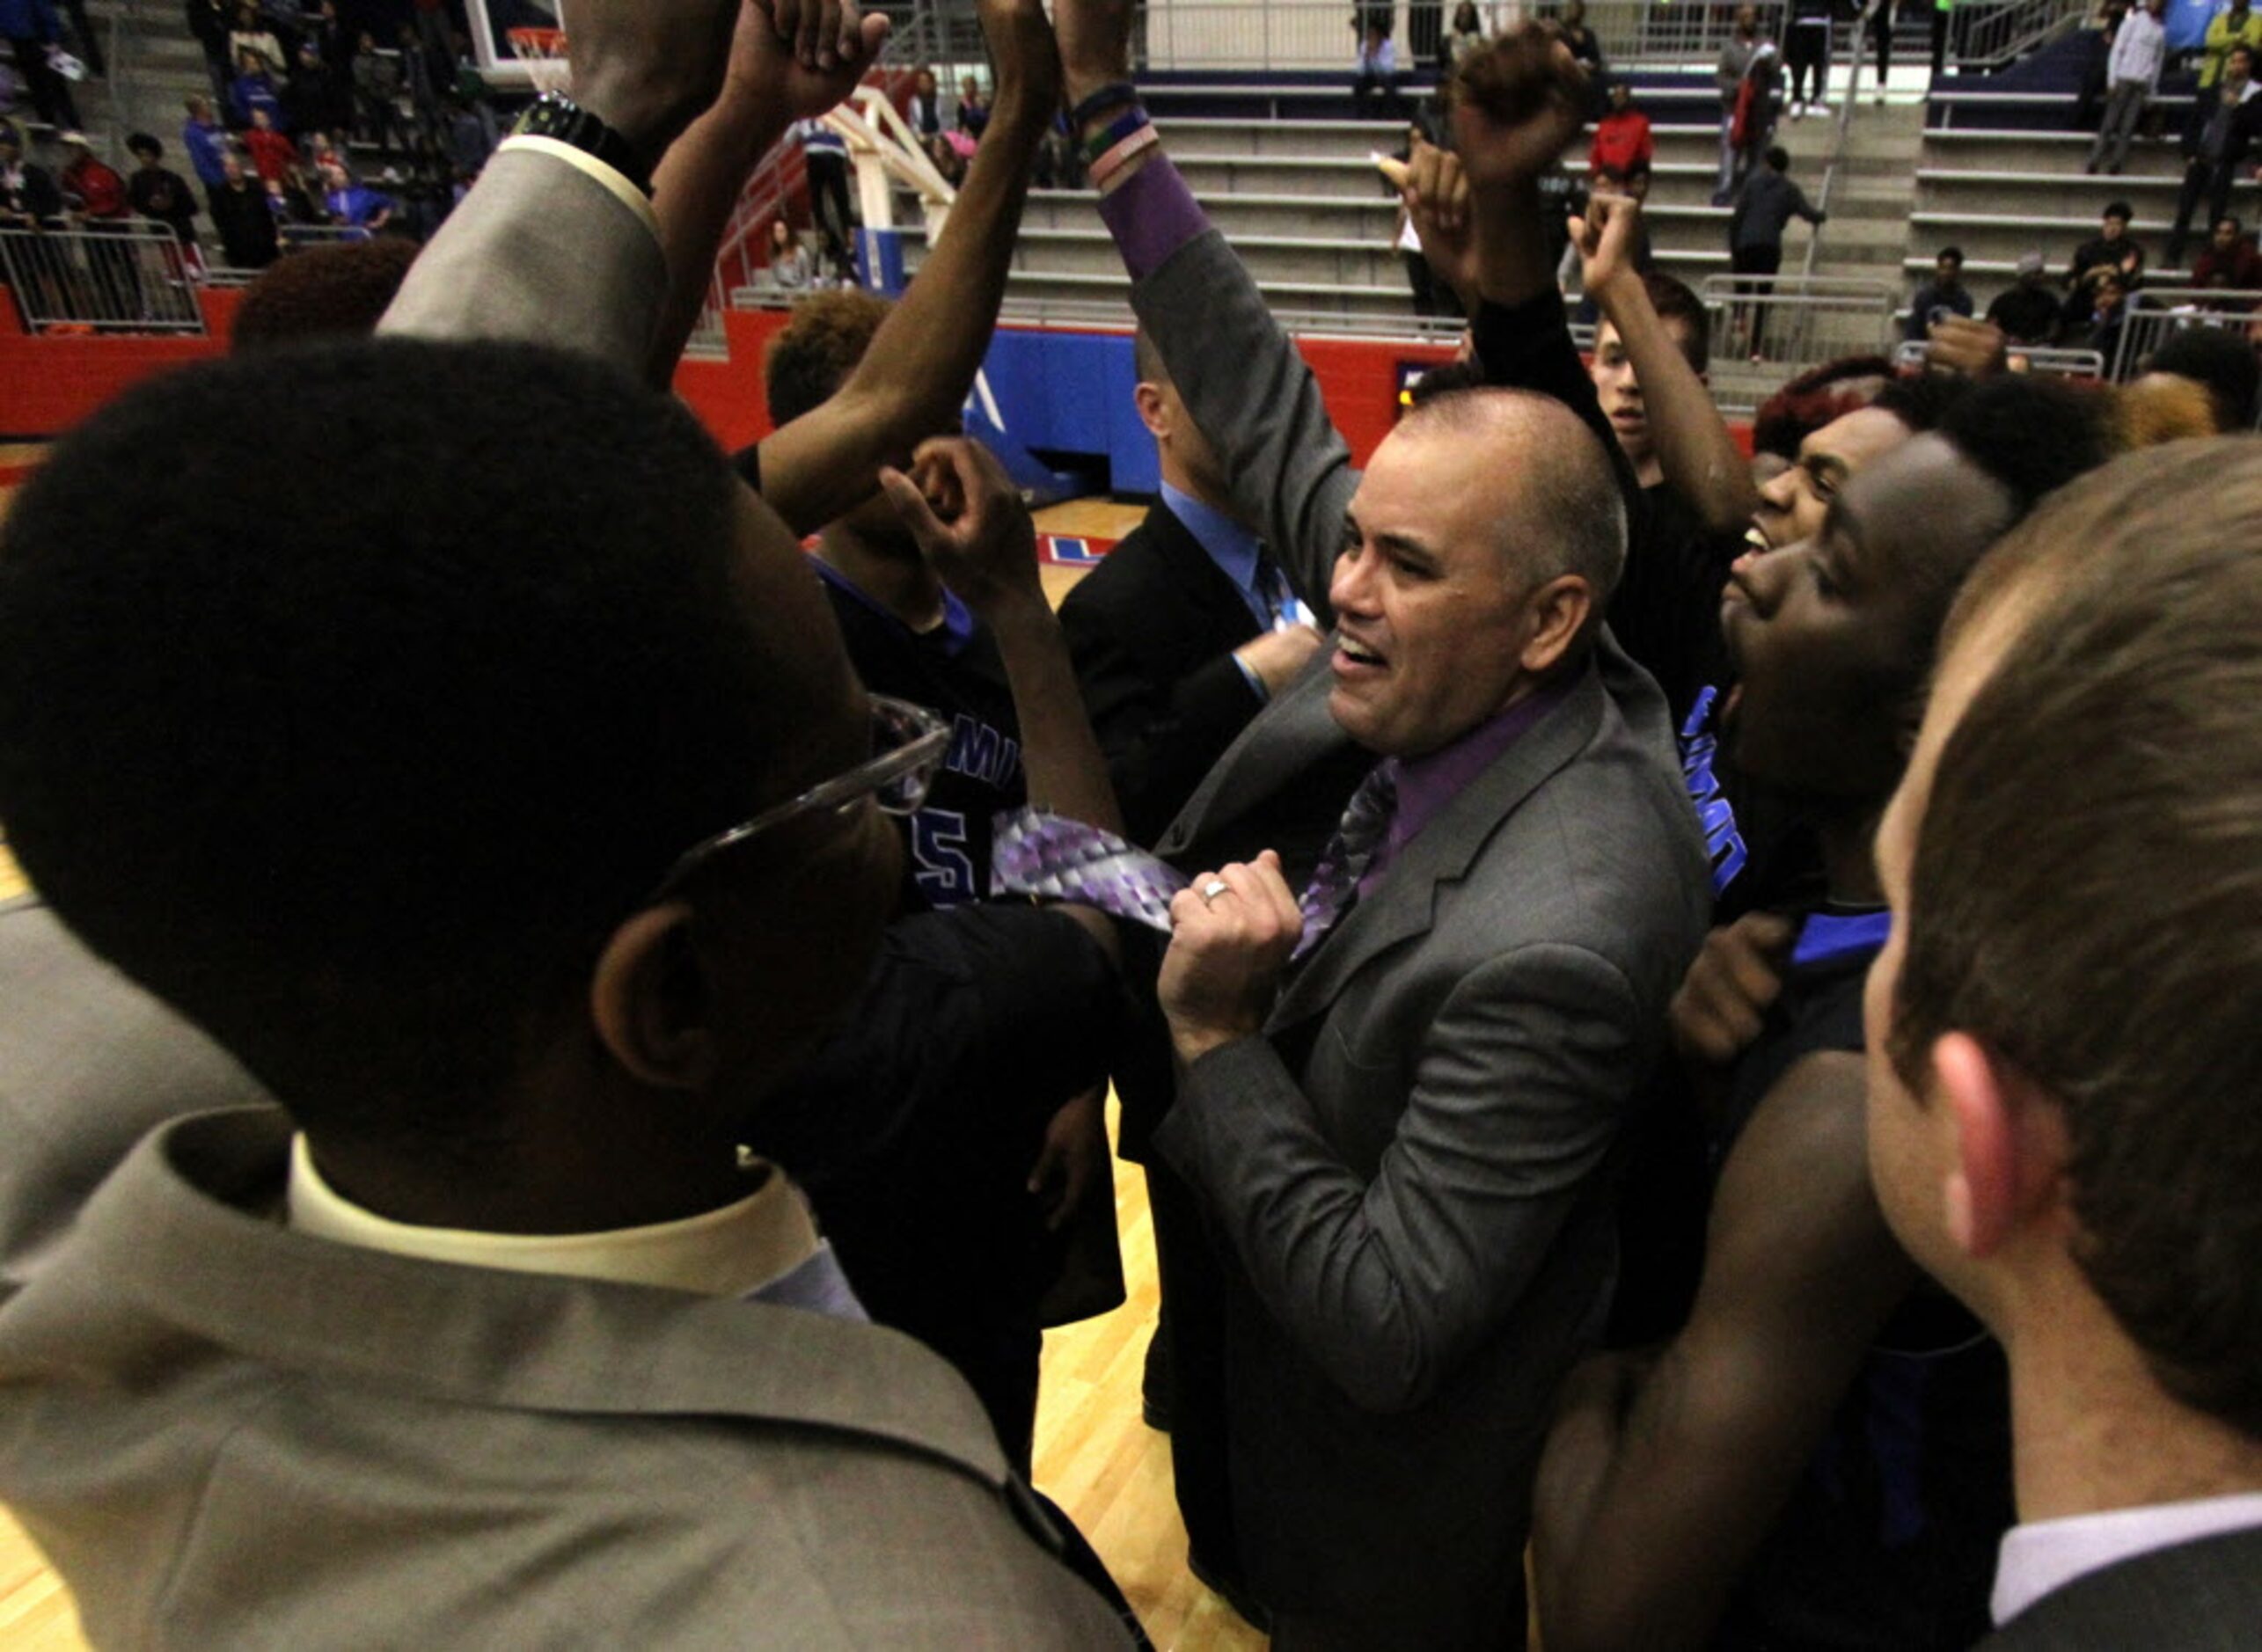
pixel 1116 158
pixel 1114 95
pixel 1100 142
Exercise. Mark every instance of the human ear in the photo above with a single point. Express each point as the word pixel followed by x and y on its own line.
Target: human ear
pixel 2010 1145
pixel 1153 412
pixel 1557 612
pixel 649 999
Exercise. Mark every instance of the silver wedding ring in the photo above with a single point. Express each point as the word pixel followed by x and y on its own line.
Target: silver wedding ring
pixel 1213 889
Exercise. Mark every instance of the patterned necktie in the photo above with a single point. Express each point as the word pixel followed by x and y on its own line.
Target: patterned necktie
pixel 1334 880
pixel 1272 590
pixel 1041 854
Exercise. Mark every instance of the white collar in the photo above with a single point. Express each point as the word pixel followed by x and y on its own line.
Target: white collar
pixel 2046 1555
pixel 730 1252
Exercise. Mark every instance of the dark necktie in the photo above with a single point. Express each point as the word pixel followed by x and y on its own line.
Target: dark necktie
pixel 1334 880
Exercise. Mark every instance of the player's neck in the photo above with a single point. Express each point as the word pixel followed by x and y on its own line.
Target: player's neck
pixel 2092 1429
pixel 902 583
pixel 1848 837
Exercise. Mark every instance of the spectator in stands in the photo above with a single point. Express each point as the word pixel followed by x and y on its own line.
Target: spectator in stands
pixel 2061 1125
pixel 1806 54
pixel 376 92
pixel 2093 317
pixel 272 153
pixel 2027 311
pixel 2231 261
pixel 1878 17
pixel 789 260
pixel 2236 24
pixel 1378 73
pixel 2218 139
pixel 100 193
pixel 2223 364
pixel 1586 50
pixel 1725 1491
pixel 472 135
pixel 2111 252
pixel 1622 141
pixel 308 104
pixel 202 136
pixel 248 33
pixel 2093 48
pixel 158 192
pixel 973 114
pixel 31 28
pixel 417 78
pixel 356 204
pixel 2132 77
pixel 207 22
pixel 1766 203
pixel 254 92
pixel 1945 294
pixel 241 213
pixel 925 111
pixel 29 199
pixel 1736 54
pixel 1758 106
pixel 323 293
pixel 825 153
pixel 1465 35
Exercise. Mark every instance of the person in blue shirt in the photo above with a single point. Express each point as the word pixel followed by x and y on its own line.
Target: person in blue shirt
pixel 356 204
pixel 253 91
pixel 31 27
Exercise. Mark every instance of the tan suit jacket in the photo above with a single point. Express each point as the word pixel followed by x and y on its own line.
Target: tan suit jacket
pixel 228 1434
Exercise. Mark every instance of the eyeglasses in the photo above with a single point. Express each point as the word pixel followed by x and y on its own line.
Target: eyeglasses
pixel 908 743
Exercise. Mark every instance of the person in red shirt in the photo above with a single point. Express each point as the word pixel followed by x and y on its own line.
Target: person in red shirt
pixel 273 153
pixel 101 193
pixel 1622 142
pixel 2231 261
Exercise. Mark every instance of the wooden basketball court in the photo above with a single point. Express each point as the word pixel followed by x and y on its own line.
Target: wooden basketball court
pixel 1094 1455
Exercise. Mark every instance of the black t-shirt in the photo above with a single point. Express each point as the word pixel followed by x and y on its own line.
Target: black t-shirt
pixel 1889 1541
pixel 955 671
pixel 1666 612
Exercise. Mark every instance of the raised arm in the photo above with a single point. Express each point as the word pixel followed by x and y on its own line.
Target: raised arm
pixel 1241 379
pixel 771 83
pixel 913 379
pixel 1660 1480
pixel 552 247
pixel 1699 456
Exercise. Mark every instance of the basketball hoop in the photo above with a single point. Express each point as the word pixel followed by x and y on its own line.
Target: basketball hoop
pixel 542 51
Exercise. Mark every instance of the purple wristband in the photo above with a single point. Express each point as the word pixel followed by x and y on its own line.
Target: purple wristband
pixel 1151 214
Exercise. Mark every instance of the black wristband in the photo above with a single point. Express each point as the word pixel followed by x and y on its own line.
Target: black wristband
pixel 1113 95
pixel 555 116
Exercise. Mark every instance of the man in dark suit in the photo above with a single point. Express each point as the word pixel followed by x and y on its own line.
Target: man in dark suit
pixel 2062 1059
pixel 1187 629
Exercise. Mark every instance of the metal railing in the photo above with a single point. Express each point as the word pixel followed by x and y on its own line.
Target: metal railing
pixel 2159 314
pixel 1987 37
pixel 1786 324
pixel 128 279
pixel 2032 358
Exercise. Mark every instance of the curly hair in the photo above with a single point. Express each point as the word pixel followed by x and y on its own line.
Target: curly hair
pixel 818 350
pixel 326 293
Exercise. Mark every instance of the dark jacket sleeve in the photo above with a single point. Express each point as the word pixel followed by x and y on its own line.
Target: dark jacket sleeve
pixel 1528 348
pixel 1159 736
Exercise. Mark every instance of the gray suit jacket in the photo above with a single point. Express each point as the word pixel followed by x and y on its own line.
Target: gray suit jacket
pixel 227 1434
pixel 2204 1596
pixel 1409 1168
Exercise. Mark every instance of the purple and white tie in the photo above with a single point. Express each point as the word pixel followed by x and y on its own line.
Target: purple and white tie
pixel 1061 860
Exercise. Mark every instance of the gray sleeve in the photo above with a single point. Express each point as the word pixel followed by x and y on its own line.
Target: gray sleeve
pixel 1252 395
pixel 540 252
pixel 1387 1284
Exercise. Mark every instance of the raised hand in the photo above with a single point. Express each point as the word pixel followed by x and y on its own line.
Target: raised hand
pixel 1604 239
pixel 1522 100
pixel 1027 59
pixel 770 71
pixel 1435 193
pixel 1095 43
pixel 969 522
pixel 1228 948
pixel 647 69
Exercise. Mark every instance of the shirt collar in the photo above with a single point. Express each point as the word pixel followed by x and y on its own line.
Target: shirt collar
pixel 1426 784
pixel 731 1252
pixel 2043 1556
pixel 1233 547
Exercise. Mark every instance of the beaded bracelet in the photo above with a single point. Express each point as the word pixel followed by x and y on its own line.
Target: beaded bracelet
pixel 1114 161
pixel 1114 95
pixel 1100 142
